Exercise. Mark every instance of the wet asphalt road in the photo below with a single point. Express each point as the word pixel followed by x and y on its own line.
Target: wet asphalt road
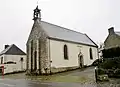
pixel 87 75
pixel 28 83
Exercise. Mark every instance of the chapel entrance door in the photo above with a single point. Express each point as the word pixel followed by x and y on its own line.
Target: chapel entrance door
pixel 81 61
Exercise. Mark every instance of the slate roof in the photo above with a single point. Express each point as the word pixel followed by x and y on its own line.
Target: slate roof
pixel 12 50
pixel 118 33
pixel 57 32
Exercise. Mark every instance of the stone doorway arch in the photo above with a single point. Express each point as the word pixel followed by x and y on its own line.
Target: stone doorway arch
pixel 80 60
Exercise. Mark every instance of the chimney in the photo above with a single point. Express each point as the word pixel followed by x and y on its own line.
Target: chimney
pixel 111 30
pixel 6 46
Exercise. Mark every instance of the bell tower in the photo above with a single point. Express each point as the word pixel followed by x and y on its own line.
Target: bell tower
pixel 37 14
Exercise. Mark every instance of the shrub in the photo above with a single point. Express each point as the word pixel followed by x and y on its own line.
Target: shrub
pixel 111 63
pixel 97 61
pixel 101 71
pixel 111 67
pixel 112 52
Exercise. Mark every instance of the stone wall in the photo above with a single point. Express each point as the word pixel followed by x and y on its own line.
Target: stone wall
pixel 38 42
pixel 39 38
pixel 112 40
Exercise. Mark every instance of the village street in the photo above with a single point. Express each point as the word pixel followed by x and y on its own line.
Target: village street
pixel 77 78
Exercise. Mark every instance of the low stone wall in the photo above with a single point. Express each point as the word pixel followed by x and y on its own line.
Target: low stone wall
pixel 62 69
pixel 53 70
pixel 15 72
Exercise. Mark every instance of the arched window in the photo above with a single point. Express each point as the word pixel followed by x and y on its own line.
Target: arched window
pixel 65 52
pixel 91 56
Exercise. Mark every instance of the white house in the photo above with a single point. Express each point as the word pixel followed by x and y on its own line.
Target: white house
pixel 52 48
pixel 13 59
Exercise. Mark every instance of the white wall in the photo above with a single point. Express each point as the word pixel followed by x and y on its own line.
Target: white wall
pixel 19 66
pixel 56 54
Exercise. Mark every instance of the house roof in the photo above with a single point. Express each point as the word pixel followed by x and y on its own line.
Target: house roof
pixel 13 50
pixel 57 32
pixel 118 33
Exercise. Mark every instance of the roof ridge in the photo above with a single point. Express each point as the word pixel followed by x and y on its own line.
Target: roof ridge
pixel 91 40
pixel 117 31
pixel 19 48
pixel 63 27
pixel 65 33
pixel 5 50
pixel 9 48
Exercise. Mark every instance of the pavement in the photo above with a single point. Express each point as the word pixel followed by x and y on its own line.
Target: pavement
pixel 76 78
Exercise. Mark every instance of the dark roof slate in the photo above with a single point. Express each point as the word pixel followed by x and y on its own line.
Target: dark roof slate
pixel 118 33
pixel 13 50
pixel 58 32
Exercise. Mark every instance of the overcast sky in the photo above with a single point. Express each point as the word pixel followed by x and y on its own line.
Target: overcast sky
pixel 92 17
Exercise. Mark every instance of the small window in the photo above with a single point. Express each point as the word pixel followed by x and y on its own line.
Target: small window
pixel 65 52
pixel 91 56
pixel 21 59
pixel 1 60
